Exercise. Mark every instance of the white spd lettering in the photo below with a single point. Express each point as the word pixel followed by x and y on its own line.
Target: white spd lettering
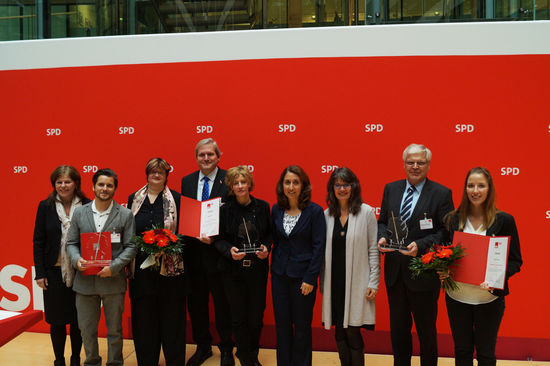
pixel 205 129
pixel 53 131
pixel 20 169
pixel 372 127
pixel 464 128
pixel 509 171
pixel 328 168
pixel 126 130
pixel 89 168
pixel 15 288
pixel 287 127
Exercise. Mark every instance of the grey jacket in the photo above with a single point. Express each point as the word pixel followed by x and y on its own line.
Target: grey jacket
pixel 121 220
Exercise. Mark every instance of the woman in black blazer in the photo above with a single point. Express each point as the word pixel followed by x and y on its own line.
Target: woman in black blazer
pixel 54 272
pixel 157 295
pixel 299 233
pixel 245 221
pixel 475 312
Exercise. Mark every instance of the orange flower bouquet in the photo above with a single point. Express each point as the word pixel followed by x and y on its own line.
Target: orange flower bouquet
pixel 438 259
pixel 160 244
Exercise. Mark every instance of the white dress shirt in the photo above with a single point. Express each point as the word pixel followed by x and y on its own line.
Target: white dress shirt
pixel 211 179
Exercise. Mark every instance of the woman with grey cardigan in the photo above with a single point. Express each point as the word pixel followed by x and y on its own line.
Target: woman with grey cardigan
pixel 351 270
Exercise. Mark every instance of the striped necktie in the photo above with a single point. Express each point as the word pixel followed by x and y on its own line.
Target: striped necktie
pixel 406 210
pixel 205 190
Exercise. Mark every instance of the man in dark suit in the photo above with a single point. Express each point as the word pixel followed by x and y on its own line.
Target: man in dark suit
pixel 202 261
pixel 421 204
pixel 107 287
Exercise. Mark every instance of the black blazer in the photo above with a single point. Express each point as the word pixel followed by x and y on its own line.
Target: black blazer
pixel 300 254
pixel 47 237
pixel 147 282
pixel 504 225
pixel 435 201
pixel 231 228
pixel 200 256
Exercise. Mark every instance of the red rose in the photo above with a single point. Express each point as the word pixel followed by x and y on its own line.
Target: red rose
pixel 444 253
pixel 428 257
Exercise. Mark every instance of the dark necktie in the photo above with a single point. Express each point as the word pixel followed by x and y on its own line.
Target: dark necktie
pixel 406 211
pixel 205 189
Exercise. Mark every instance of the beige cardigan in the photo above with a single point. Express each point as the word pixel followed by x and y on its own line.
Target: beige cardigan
pixel 362 268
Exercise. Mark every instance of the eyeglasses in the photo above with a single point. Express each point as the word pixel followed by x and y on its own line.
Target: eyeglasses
pixel 419 163
pixel 342 186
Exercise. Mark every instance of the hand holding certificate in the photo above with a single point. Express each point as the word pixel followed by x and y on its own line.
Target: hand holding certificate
pixel 486 260
pixel 201 218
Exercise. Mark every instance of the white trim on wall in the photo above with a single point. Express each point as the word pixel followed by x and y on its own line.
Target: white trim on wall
pixel 494 38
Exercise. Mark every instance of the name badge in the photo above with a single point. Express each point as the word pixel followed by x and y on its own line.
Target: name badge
pixel 115 237
pixel 426 224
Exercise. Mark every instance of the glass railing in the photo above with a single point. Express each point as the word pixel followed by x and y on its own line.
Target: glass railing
pixel 36 19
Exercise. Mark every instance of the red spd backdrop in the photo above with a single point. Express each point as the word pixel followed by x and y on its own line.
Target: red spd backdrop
pixel 338 108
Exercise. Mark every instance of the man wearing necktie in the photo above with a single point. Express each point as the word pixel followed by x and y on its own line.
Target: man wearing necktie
pixel 421 204
pixel 202 261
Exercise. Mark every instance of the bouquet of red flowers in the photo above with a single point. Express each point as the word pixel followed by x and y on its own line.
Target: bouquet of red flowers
pixel 438 259
pixel 162 245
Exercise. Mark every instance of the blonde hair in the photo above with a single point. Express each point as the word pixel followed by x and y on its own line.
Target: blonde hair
pixel 234 173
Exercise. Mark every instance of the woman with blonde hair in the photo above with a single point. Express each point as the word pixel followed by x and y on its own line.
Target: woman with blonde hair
pixel 245 224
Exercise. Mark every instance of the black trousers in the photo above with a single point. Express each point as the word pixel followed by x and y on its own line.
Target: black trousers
pixel 475 326
pixel 159 321
pixel 202 284
pixel 246 290
pixel 404 306
pixel 293 315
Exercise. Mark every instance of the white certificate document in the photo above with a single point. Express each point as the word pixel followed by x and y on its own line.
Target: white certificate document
pixel 497 257
pixel 210 217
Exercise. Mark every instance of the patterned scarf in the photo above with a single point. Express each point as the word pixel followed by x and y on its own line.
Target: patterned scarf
pixel 172 265
pixel 67 270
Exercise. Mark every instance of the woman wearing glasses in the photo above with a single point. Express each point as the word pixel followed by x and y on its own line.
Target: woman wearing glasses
pixel 158 295
pixel 351 273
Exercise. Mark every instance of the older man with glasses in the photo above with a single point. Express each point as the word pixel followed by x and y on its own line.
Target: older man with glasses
pixel 420 204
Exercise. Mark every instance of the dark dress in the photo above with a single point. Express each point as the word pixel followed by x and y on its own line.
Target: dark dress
pixel 338 288
pixel 158 302
pixel 59 300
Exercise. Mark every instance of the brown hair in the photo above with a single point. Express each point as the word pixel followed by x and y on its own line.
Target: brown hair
pixel 355 201
pixel 71 172
pixel 232 175
pixel 489 206
pixel 155 163
pixel 305 194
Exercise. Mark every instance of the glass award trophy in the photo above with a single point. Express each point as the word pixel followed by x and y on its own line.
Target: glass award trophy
pixel 248 246
pixel 398 231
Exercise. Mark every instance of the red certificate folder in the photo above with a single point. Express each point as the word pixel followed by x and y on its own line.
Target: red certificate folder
pixel 473 266
pixel 190 223
pixel 95 248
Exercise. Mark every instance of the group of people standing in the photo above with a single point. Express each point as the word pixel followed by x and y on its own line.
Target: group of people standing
pixel 339 248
